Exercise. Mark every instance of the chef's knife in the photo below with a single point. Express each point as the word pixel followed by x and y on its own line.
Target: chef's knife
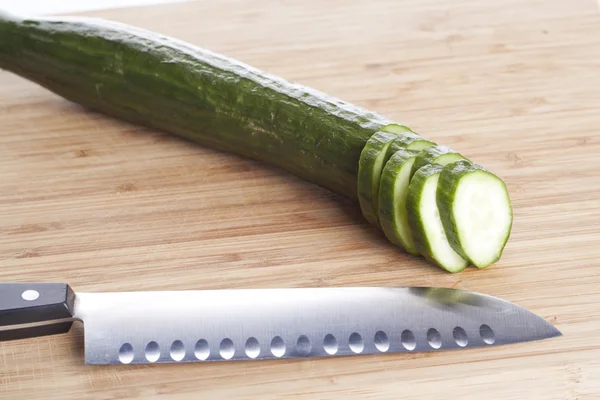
pixel 252 324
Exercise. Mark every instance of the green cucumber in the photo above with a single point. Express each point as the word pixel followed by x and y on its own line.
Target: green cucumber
pixel 369 170
pixel 157 81
pixel 441 155
pixel 425 222
pixel 150 79
pixel 395 179
pixel 476 212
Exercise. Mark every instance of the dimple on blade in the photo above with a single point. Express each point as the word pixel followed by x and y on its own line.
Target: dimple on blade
pixel 255 324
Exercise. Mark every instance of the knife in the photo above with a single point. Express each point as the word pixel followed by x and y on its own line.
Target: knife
pixel 254 324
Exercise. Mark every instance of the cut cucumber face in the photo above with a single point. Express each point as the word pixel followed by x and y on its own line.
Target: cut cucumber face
pixel 371 163
pixel 476 212
pixel 425 222
pixel 441 155
pixel 395 179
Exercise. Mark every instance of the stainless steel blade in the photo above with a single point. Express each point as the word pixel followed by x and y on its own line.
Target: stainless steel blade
pixel 212 325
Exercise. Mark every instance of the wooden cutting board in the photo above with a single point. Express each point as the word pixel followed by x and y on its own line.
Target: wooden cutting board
pixel 106 206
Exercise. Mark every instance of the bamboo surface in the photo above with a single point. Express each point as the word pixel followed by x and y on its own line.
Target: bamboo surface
pixel 105 206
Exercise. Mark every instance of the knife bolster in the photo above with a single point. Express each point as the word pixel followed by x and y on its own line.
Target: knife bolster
pixel 35 309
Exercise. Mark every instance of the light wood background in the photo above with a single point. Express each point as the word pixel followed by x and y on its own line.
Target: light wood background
pixel 103 205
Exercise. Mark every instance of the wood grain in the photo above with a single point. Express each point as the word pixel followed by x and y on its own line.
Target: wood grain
pixel 105 205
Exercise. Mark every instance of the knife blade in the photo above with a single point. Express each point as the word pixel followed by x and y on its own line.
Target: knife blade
pixel 257 324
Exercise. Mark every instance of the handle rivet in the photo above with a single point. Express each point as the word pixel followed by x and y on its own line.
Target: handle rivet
pixel 30 295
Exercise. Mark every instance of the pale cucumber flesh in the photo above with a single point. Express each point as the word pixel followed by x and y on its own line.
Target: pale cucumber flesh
pixel 371 163
pixel 426 223
pixel 395 179
pixel 477 212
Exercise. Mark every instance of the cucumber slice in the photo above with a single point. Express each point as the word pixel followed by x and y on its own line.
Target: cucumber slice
pixel 476 212
pixel 425 222
pixel 404 141
pixel 395 179
pixel 371 163
pixel 409 141
pixel 441 155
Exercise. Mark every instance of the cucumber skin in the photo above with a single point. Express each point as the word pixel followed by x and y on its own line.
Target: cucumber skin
pixel 409 141
pixel 387 205
pixel 430 154
pixel 367 182
pixel 447 186
pixel 153 80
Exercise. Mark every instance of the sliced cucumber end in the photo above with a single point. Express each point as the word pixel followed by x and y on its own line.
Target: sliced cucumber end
pixel 395 179
pixel 426 224
pixel 402 229
pixel 440 249
pixel 370 164
pixel 400 219
pixel 377 169
pixel 483 217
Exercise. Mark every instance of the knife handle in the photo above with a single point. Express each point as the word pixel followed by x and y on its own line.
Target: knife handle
pixel 35 309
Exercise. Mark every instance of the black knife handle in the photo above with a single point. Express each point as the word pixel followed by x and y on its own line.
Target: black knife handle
pixel 47 307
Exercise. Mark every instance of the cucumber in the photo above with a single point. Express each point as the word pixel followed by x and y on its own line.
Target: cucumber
pixel 476 212
pixel 441 155
pixel 425 222
pixel 158 81
pixel 150 79
pixel 395 179
pixel 369 170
